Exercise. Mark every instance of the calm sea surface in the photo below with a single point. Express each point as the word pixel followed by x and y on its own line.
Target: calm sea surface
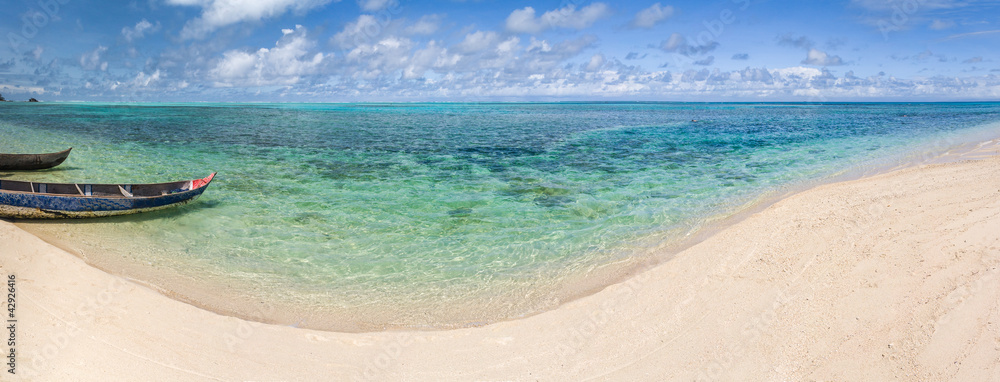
pixel 371 216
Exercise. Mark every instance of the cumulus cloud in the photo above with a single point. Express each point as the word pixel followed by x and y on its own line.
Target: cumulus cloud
pixel 491 66
pixel 35 54
pixel 433 56
pixel 649 17
pixel 677 43
pixel 596 62
pixel 394 59
pixel 47 73
pixel 357 32
pixel 284 64
pixel 427 24
pixel 482 60
pixel 524 20
pixel 92 60
pixel 368 29
pixel 813 56
pixel 219 13
pixel 139 30
pixel 973 60
pixel 564 49
pixel 820 58
pixel 384 57
pixel 477 41
pixel 144 80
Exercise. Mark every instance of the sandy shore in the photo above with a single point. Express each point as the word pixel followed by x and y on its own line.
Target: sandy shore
pixel 893 277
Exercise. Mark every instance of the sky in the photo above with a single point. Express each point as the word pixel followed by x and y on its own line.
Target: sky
pixel 483 51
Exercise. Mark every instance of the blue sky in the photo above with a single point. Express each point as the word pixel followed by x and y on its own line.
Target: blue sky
pixel 399 50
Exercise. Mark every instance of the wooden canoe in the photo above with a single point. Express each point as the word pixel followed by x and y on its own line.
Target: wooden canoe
pixel 30 200
pixel 18 162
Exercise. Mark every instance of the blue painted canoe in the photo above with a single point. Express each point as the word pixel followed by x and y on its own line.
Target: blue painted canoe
pixel 22 162
pixel 30 200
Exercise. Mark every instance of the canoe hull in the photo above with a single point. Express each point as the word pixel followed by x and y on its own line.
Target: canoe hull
pixel 89 208
pixel 25 162
pixel 33 205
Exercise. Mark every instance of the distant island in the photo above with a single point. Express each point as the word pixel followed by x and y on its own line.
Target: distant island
pixel 7 100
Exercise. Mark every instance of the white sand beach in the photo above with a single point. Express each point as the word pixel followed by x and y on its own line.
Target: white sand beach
pixel 891 277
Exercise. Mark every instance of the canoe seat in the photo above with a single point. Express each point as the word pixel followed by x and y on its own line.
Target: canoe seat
pixel 86 191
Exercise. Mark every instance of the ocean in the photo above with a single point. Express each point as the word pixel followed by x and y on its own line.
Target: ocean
pixel 361 217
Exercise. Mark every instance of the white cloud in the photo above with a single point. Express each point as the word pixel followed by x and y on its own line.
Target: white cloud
pixel 820 58
pixel 503 55
pixel 433 56
pixel 92 60
pixel 219 13
pixel 427 24
pixel 384 57
pixel 356 33
pixel 524 20
pixel 677 43
pixel 649 17
pixel 596 63
pixel 395 57
pixel 284 64
pixel 673 43
pixel 400 69
pixel 366 30
pixel 37 52
pixel 143 80
pixel 477 42
pixel 375 5
pixel 483 60
pixel 797 73
pixel 139 30
pixel 11 88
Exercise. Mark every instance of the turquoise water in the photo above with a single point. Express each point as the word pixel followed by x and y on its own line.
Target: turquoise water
pixel 367 216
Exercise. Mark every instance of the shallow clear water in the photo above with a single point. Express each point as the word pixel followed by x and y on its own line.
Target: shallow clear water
pixel 437 215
